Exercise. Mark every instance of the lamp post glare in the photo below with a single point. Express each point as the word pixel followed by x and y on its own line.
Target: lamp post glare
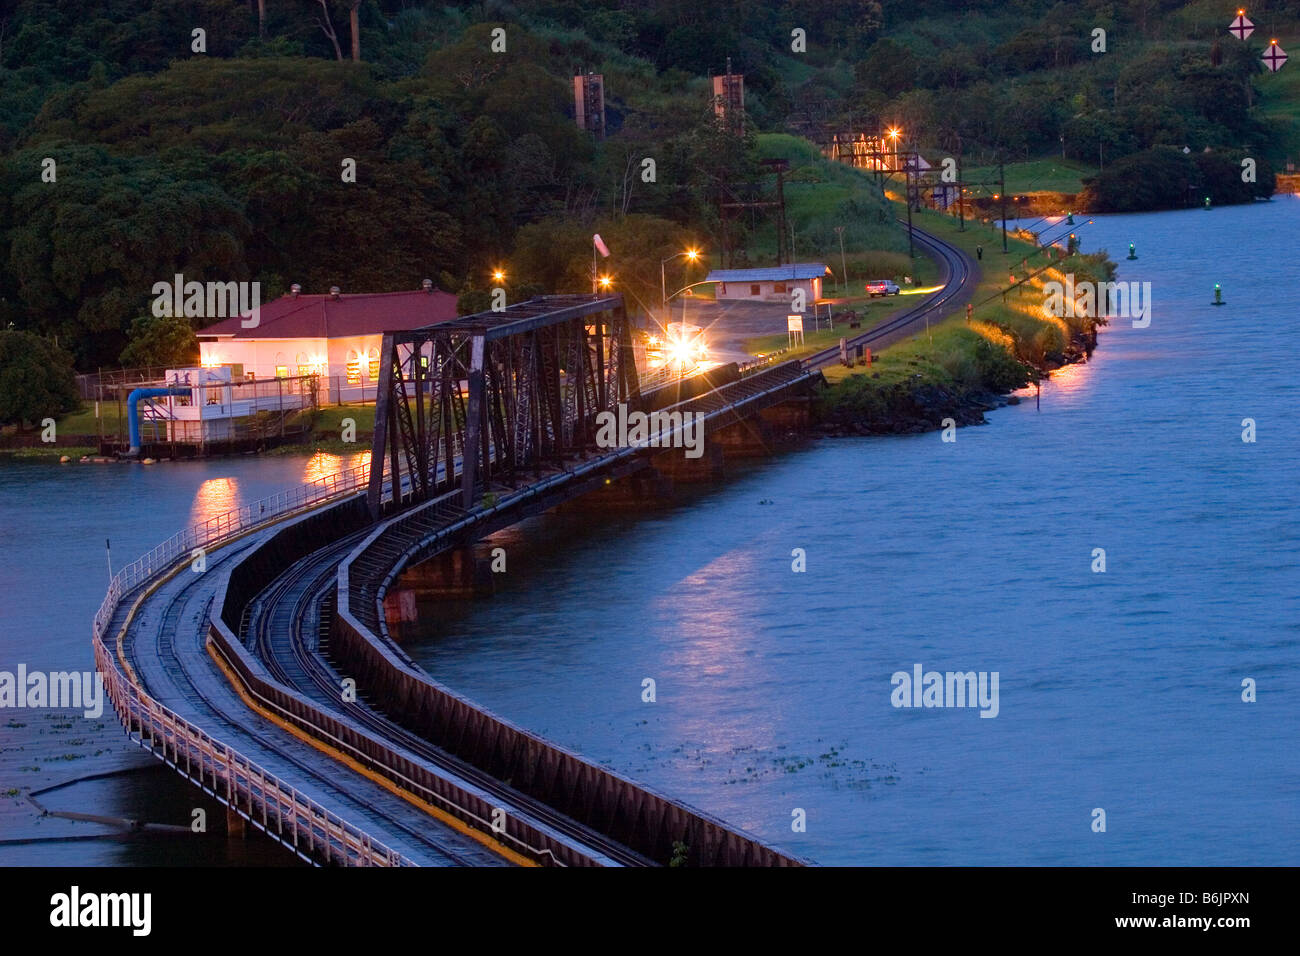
pixel 691 254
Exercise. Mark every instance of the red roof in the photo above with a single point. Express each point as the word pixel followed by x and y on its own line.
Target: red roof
pixel 323 316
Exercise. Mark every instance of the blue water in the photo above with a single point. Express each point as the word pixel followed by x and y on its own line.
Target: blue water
pixel 1119 691
pixel 54 571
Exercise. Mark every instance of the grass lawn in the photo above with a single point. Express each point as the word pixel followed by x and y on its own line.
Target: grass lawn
pixel 947 355
pixel 1039 175
pixel 871 311
pixel 329 420
pixel 84 423
pixel 1279 98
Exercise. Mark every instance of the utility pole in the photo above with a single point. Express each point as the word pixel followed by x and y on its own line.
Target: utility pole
pixel 911 249
pixel 780 214
pixel 844 269
pixel 961 198
pixel 1002 186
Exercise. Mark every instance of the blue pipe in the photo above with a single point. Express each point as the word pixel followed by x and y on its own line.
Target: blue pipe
pixel 133 414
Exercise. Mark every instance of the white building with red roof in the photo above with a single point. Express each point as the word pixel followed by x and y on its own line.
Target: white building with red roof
pixel 335 336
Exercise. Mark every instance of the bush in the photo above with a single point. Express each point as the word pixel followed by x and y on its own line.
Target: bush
pixel 36 379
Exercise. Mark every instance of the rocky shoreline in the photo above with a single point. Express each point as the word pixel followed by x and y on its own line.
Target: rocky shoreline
pixel 922 406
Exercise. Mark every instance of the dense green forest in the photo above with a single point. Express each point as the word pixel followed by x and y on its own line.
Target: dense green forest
pixel 132 148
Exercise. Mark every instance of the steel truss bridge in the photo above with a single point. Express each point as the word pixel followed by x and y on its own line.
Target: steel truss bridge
pixel 232 676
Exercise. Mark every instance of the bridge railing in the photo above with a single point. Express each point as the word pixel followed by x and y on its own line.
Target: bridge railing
pixel 296 820
pixel 220 527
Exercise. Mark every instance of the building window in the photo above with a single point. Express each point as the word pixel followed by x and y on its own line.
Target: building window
pixel 374 365
pixel 753 290
pixel 282 371
pixel 354 367
pixel 778 287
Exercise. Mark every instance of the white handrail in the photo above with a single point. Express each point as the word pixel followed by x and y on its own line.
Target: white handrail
pixel 342 842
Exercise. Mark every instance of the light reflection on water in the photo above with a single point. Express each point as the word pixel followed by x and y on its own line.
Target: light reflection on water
pixel 54 520
pixel 1119 690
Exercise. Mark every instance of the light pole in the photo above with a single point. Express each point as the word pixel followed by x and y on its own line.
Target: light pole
pixel 691 254
pixel 894 133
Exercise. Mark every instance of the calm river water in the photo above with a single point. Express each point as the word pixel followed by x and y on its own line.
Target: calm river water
pixel 1119 690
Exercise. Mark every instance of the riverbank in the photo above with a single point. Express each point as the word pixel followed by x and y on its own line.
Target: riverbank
pixel 962 369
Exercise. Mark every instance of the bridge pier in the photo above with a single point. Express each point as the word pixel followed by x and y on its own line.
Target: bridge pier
pixel 236 826
pixel 636 492
pixel 455 574
pixel 794 414
pixel 676 466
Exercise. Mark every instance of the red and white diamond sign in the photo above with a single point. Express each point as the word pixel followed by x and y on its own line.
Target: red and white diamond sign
pixel 1241 27
pixel 1274 57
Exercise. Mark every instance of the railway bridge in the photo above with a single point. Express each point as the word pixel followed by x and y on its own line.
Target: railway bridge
pixel 252 653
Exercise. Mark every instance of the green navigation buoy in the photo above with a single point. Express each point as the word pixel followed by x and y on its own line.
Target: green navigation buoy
pixel 1207 203
pixel 1069 219
pixel 1218 296
pixel 1131 253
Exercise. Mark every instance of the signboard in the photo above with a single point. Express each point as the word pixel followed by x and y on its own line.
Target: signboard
pixel 1274 57
pixel 794 329
pixel 1241 27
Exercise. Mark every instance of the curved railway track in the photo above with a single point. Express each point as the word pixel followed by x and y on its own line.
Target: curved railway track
pixel 175 666
pixel 277 629
pixel 958 279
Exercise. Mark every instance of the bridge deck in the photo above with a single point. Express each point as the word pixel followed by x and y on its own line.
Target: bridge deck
pixel 166 645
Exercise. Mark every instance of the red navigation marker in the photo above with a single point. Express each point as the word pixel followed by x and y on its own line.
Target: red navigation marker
pixel 1274 57
pixel 1241 27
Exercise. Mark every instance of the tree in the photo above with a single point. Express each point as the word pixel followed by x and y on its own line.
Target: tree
pixel 168 342
pixel 84 257
pixel 356 31
pixel 327 27
pixel 36 379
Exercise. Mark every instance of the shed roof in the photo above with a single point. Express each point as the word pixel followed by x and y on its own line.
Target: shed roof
pixel 796 270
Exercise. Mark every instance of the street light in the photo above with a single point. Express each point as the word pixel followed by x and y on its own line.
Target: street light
pixel 498 276
pixel 605 281
pixel 691 254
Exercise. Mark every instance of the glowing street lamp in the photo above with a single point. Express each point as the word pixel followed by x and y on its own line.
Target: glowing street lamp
pixel 691 254
pixel 605 281
pixel 498 276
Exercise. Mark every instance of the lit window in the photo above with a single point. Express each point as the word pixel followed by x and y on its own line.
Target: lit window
pixel 354 367
pixel 374 365
pixel 282 371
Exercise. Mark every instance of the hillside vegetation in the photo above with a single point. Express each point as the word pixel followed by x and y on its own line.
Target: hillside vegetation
pixel 140 139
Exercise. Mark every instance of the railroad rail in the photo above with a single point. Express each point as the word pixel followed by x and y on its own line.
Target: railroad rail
pixel 271 804
pixel 301 603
